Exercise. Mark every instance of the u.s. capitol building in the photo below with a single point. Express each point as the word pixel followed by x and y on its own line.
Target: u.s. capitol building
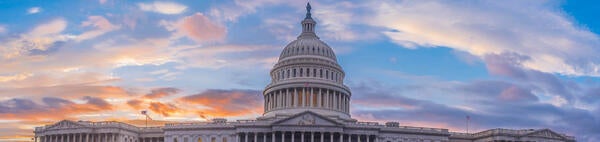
pixel 306 101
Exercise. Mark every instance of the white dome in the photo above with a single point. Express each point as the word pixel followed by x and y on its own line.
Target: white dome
pixel 307 46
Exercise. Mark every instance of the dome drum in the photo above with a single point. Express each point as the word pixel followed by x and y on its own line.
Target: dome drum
pixel 327 100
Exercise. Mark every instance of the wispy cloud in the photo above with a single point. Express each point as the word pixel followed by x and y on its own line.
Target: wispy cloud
pixel 163 7
pixel 487 27
pixel 34 10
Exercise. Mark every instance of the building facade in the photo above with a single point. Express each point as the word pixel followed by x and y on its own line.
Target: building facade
pixel 306 101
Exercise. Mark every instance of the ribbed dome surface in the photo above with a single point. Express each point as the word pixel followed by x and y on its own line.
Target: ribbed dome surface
pixel 307 46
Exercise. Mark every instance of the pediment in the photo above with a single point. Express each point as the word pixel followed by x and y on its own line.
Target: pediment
pixel 545 133
pixel 65 124
pixel 307 118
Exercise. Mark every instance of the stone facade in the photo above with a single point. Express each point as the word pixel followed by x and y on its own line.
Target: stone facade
pixel 306 101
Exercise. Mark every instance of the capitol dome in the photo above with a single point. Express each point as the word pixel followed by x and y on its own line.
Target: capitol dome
pixel 307 77
pixel 307 46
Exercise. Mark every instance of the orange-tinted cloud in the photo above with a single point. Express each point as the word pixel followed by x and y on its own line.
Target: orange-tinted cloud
pixel 199 28
pixel 165 109
pixel 226 103
pixel 135 104
pixel 161 92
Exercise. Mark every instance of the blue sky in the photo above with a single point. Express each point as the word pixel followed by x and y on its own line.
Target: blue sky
pixel 510 64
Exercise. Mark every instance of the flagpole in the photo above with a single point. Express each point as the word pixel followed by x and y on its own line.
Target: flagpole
pixel 468 118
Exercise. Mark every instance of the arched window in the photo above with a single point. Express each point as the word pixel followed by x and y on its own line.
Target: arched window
pixel 294 73
pixel 327 74
pixel 288 73
pixel 321 73
pixel 199 139
pixel 314 72
pixel 301 72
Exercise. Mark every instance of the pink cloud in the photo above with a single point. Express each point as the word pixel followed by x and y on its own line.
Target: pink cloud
pixel 199 28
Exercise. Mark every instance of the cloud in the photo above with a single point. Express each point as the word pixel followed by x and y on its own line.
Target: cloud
pixel 53 27
pixel 51 108
pixel 511 65
pixel 100 26
pixel 135 104
pixel 2 29
pixel 232 11
pixel 161 92
pixel 197 27
pixel 487 27
pixel 490 104
pixel 246 56
pixel 163 7
pixel 239 102
pixel 165 109
pixel 34 10
pixel 66 91
pixel 40 38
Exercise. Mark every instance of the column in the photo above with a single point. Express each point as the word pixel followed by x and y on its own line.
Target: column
pixel 246 137
pixel 62 138
pixel 358 137
pixel 322 135
pixel 330 137
pixel 326 98
pixel 265 137
pixel 312 137
pixel 283 137
pixel 288 98
pixel 341 137
pixel 237 137
pixel 112 137
pixel 87 137
pixel 304 97
pixel 255 137
pixel 319 98
pixel 368 137
pixel 312 95
pixel 295 97
pixel 330 101
pixel 284 98
pixel 272 136
pixel 276 100
pixel 302 137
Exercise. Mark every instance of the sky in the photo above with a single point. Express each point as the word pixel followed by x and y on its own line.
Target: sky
pixel 506 64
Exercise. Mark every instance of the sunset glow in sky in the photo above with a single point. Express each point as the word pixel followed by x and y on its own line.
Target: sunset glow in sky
pixel 511 63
